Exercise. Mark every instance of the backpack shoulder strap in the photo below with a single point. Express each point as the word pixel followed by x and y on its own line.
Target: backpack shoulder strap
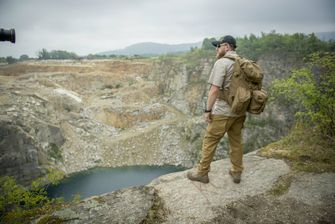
pixel 224 93
pixel 230 57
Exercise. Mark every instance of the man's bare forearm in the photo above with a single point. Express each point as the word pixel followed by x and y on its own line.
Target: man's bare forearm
pixel 212 95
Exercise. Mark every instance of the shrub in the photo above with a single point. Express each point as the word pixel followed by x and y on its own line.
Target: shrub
pixel 312 88
pixel 20 205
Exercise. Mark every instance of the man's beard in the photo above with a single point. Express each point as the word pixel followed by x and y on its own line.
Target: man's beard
pixel 220 55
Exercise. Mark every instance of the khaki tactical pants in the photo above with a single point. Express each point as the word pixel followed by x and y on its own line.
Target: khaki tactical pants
pixel 215 131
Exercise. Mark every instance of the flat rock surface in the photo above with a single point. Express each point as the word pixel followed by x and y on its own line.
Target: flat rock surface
pixel 125 206
pixel 194 202
pixel 313 189
pixel 309 199
pixel 265 209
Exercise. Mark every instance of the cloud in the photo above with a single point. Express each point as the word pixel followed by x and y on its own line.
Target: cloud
pixel 86 26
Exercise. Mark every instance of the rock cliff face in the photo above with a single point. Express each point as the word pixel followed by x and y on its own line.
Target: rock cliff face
pixel 19 154
pixel 74 115
pixel 308 198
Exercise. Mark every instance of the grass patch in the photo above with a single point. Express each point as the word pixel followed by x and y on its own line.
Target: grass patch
pixel 100 199
pixel 282 185
pixel 112 86
pixel 305 149
pixel 157 213
pixel 55 152
pixel 50 220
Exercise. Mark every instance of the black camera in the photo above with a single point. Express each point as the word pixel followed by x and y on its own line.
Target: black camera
pixel 7 35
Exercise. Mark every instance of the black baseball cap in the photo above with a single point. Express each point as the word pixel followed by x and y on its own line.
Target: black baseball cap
pixel 226 39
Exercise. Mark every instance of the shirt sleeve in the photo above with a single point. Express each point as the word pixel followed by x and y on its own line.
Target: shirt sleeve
pixel 218 73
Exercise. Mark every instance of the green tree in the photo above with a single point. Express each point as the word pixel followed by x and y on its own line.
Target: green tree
pixel 24 57
pixel 313 89
pixel 59 54
pixel 19 204
pixel 10 60
pixel 56 54
pixel 207 44
pixel 298 45
pixel 43 54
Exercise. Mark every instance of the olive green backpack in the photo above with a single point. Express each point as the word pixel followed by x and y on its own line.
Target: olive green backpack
pixel 245 93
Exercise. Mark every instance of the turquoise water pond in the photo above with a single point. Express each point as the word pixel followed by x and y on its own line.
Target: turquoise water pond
pixel 102 180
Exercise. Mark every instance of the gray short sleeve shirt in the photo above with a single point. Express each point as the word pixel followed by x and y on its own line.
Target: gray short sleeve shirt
pixel 220 76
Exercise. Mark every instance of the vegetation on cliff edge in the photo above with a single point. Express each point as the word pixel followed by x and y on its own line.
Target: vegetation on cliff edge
pixel 21 205
pixel 305 149
pixel 298 45
pixel 310 145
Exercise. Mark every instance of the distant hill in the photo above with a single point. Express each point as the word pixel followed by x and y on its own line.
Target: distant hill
pixel 150 48
pixel 325 36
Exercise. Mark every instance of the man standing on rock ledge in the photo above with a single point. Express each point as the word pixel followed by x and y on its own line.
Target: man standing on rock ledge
pixel 219 117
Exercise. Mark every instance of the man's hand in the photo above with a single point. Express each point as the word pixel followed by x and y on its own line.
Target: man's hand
pixel 208 117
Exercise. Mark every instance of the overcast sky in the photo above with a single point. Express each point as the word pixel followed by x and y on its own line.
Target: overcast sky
pixel 92 26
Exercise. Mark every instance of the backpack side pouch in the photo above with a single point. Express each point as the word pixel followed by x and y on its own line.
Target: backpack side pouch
pixel 258 101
